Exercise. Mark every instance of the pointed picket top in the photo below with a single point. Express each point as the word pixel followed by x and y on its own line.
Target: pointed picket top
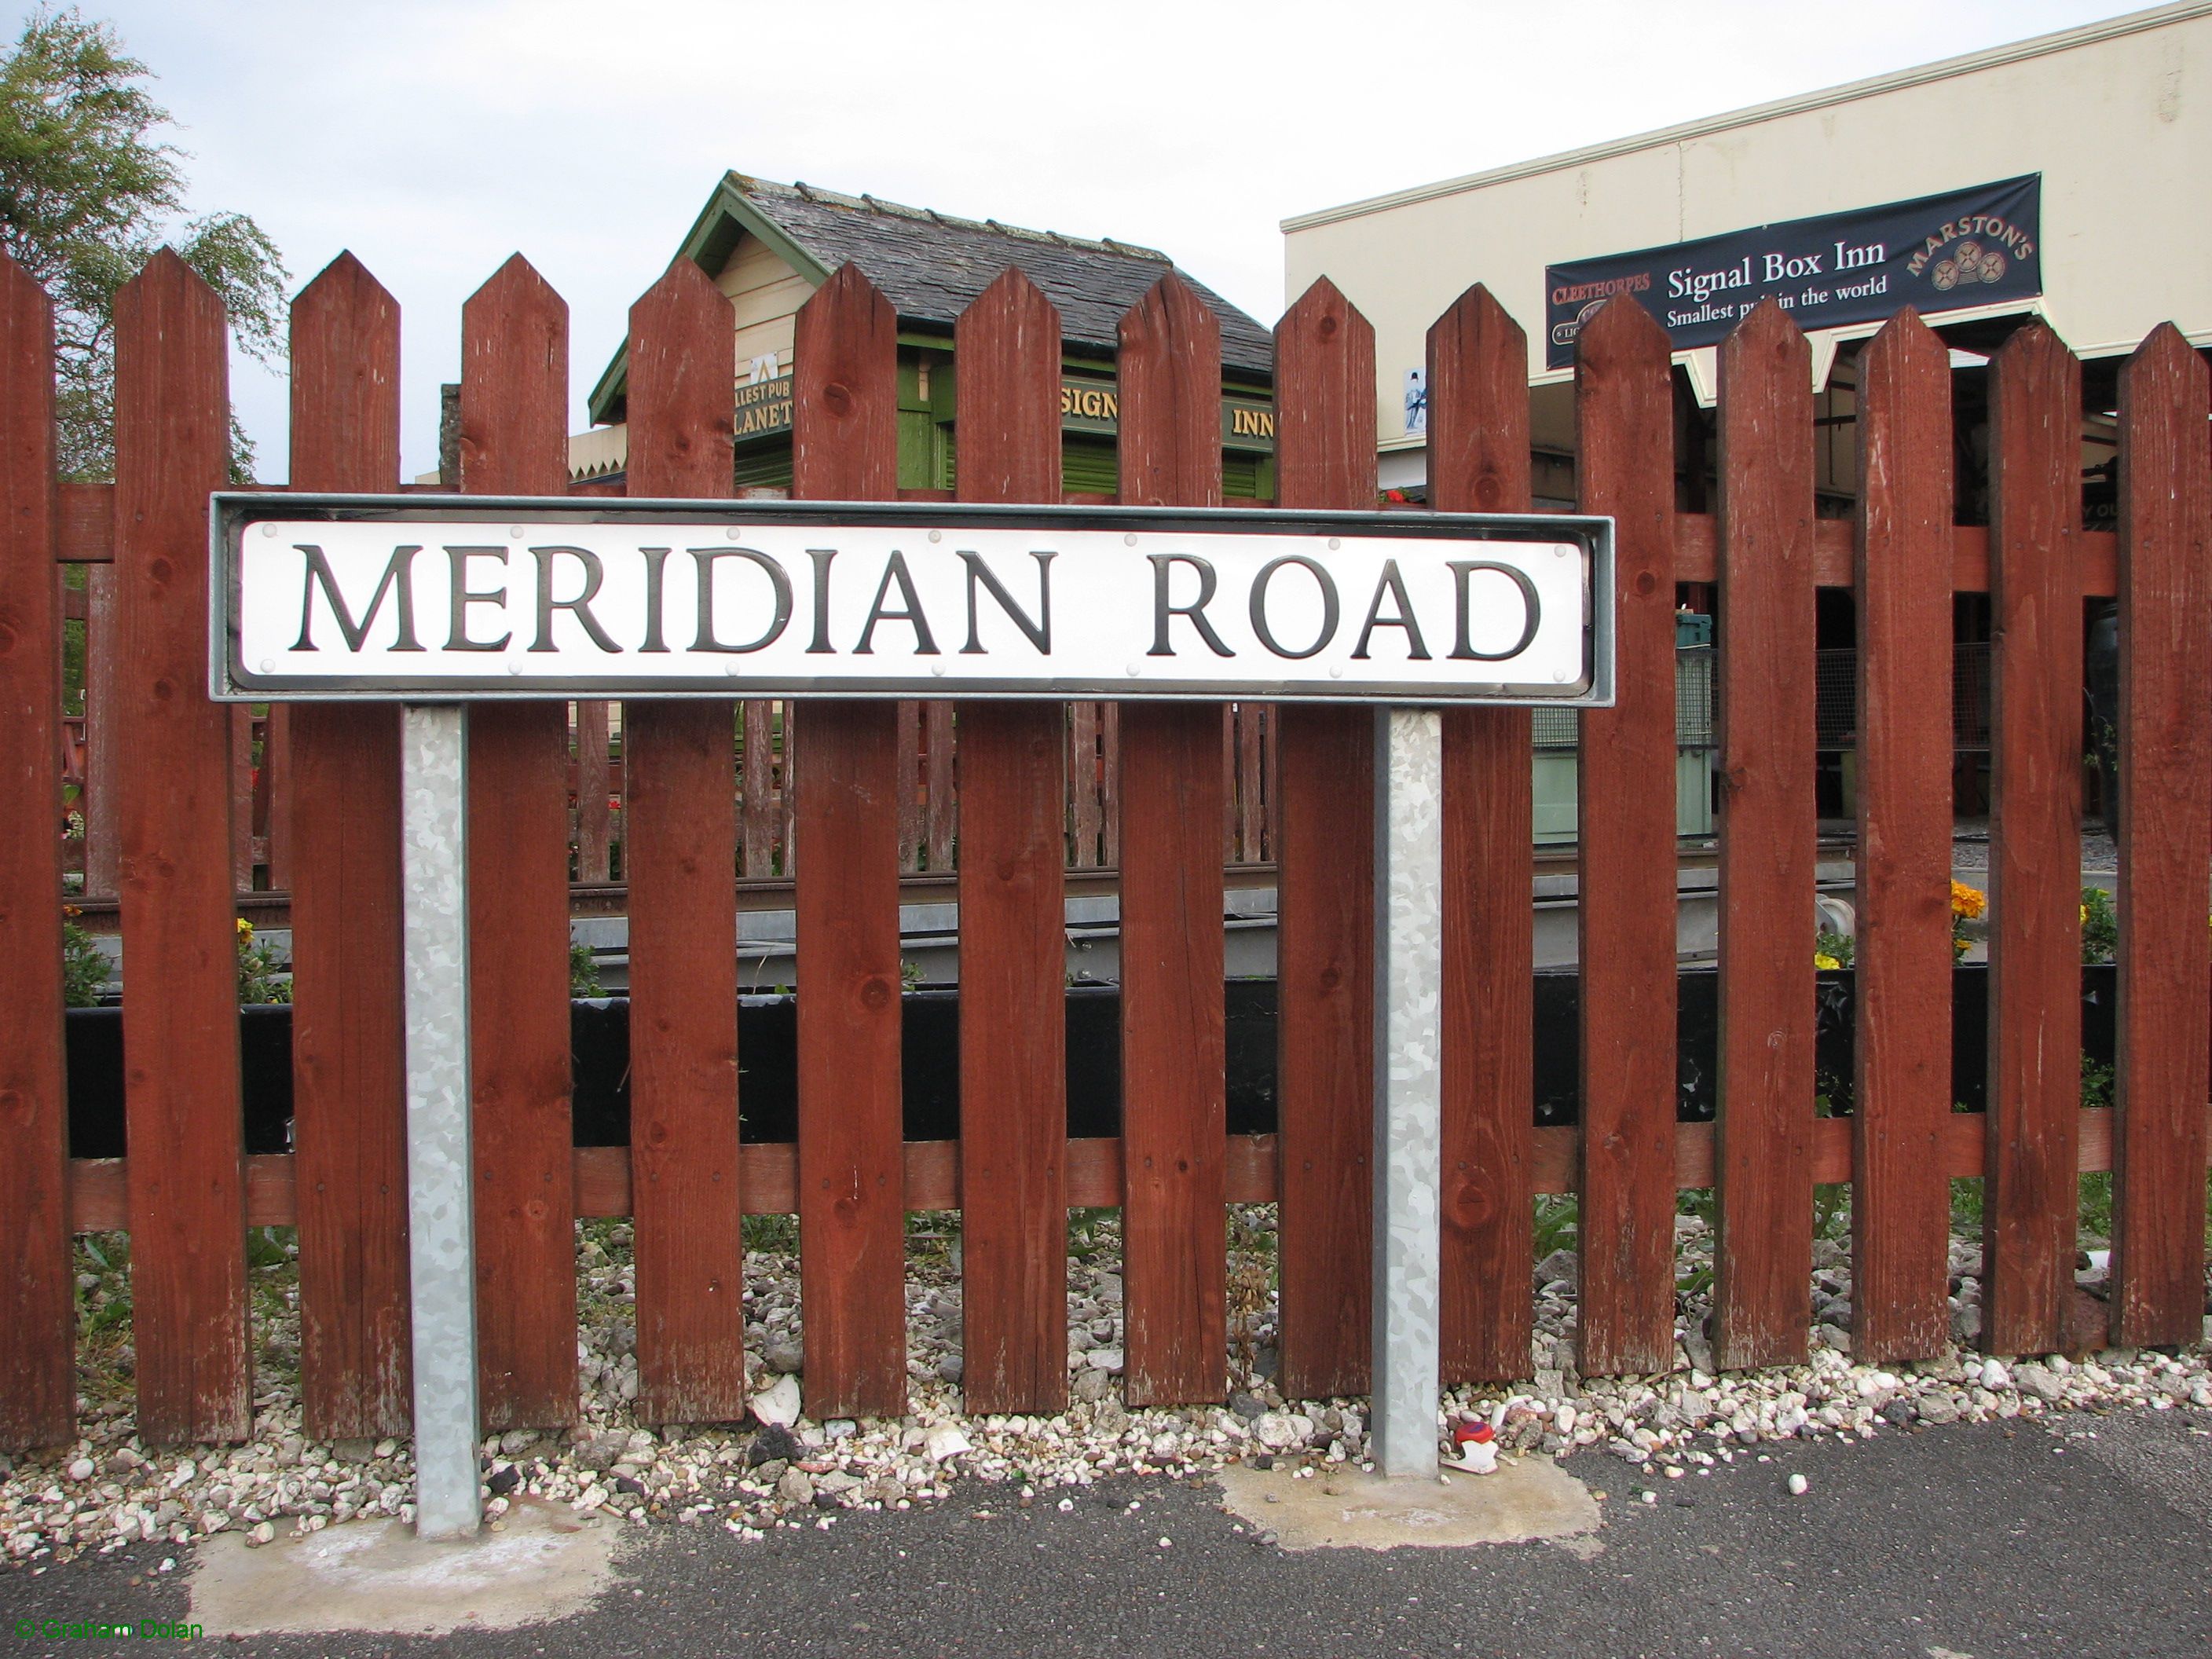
pixel 17 284
pixel 167 273
pixel 26 358
pixel 1769 334
pixel 1007 396
pixel 1324 403
pixel 171 375
pixel 1905 460
pixel 2165 349
pixel 844 394
pixel 1905 344
pixel 514 385
pixel 2033 353
pixel 166 303
pixel 681 416
pixel 345 274
pixel 345 381
pixel 1478 408
pixel 1621 336
pixel 1167 372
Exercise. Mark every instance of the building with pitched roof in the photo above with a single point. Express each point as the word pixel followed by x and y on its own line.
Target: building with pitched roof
pixel 769 245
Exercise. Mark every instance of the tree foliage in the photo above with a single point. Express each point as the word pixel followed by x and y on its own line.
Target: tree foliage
pixel 86 196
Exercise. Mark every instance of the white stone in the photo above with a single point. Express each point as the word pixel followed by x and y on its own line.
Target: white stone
pixel 778 1403
pixel 1798 1485
pixel 944 1441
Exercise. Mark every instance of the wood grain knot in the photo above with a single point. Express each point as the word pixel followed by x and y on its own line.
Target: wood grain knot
pixel 837 398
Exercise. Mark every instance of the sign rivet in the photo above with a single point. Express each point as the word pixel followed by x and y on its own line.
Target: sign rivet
pixel 731 669
pixel 1336 671
pixel 1559 552
pixel 268 666
pixel 937 535
pixel 514 532
pixel 514 668
pixel 268 529
pixel 1132 670
pixel 732 533
pixel 1129 540
pixel 1561 675
pixel 937 668
pixel 1335 543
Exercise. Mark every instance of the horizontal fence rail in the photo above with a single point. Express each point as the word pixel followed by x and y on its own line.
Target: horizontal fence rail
pixel 175 817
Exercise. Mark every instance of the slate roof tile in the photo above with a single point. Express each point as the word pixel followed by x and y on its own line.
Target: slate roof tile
pixel 931 265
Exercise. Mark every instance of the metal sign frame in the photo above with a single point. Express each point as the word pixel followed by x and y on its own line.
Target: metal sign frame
pixel 233 679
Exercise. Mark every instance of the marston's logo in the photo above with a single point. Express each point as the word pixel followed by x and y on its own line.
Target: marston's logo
pixel 1983 247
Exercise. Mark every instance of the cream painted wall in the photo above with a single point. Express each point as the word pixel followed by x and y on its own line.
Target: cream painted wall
pixel 766 294
pixel 2116 117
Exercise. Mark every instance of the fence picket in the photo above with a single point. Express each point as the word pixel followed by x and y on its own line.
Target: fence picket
pixel 2166 845
pixel 910 784
pixel 594 817
pixel 37 1300
pixel 1624 908
pixel 1084 822
pixel 103 799
pixel 278 773
pixel 514 391
pixel 1478 382
pixel 2031 1199
pixel 1901 1201
pixel 852 1179
pixel 757 780
pixel 349 1057
pixel 1013 793
pixel 1762 1294
pixel 241 796
pixel 190 1320
pixel 1325 864
pixel 1173 808
pixel 681 855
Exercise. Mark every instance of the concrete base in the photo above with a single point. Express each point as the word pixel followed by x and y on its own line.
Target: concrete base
pixel 1530 1498
pixel 543 1562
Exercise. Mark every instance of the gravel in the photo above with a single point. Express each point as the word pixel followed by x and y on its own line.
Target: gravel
pixel 109 1489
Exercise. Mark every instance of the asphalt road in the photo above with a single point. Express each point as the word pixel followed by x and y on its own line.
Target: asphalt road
pixel 1988 1540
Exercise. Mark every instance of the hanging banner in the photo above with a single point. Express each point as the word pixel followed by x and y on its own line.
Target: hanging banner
pixel 425 598
pixel 1976 246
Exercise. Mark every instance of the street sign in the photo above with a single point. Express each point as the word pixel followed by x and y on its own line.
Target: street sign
pixel 421 598
pixel 435 601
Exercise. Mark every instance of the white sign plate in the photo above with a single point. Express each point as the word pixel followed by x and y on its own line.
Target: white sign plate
pixel 434 599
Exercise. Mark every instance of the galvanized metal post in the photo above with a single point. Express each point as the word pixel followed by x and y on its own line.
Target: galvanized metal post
pixel 1409 1085
pixel 440 1207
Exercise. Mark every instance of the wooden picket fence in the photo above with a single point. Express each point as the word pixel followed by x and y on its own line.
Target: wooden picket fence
pixel 767 745
pixel 187 1194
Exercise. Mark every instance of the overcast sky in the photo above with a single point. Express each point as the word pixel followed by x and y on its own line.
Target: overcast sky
pixel 435 139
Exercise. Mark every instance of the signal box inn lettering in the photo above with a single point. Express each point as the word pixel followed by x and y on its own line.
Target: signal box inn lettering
pixel 1121 606
pixel 1973 247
